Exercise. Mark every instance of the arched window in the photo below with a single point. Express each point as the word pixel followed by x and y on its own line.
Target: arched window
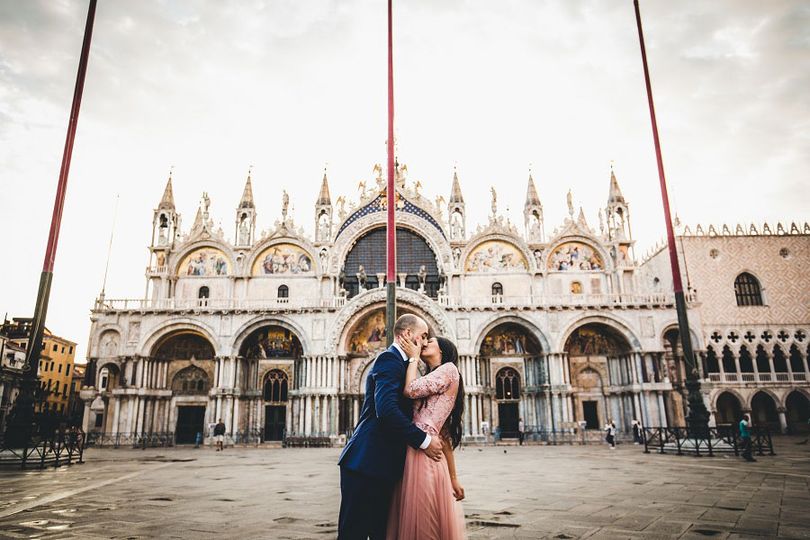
pixel 203 294
pixel 747 290
pixel 497 289
pixel 507 384
pixel 283 291
pixel 191 380
pixel 275 386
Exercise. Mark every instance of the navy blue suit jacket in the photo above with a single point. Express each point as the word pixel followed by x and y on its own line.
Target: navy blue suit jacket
pixel 377 447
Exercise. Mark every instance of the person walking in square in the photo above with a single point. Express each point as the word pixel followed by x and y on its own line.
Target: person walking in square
pixel 521 428
pixel 745 436
pixel 610 435
pixel 219 435
pixel 637 432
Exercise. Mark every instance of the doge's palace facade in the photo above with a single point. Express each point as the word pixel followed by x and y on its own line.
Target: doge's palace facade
pixel 276 332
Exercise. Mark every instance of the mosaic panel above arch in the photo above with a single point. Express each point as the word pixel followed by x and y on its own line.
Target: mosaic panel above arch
pixel 206 262
pixel 595 339
pixel 282 259
pixel 272 342
pixel 575 256
pixel 496 256
pixel 368 334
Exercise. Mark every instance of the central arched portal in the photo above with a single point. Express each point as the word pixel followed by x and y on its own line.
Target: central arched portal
pixel 512 352
pixel 271 352
pixel 364 338
pixel 597 356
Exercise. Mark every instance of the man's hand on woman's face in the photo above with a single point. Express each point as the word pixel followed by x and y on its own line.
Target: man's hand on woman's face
pixel 411 349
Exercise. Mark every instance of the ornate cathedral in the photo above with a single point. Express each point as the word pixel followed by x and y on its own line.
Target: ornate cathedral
pixel 275 332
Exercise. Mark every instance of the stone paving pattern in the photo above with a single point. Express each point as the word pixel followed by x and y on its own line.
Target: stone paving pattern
pixel 512 492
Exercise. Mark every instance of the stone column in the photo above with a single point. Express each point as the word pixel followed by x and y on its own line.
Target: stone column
pixel 86 417
pixel 782 419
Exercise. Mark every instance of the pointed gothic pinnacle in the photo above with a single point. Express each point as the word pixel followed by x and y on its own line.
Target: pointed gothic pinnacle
pixel 167 201
pixel 323 197
pixel 247 194
pixel 531 193
pixel 615 195
pixel 455 193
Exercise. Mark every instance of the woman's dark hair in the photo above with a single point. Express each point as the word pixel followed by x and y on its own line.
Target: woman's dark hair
pixel 453 423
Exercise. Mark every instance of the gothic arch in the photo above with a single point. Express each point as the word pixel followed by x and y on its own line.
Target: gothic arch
pixel 697 338
pixel 582 239
pixel 186 250
pixel 620 326
pixel 777 400
pixel 358 229
pixel 498 319
pixel 300 243
pixel 510 238
pixel 369 300
pixel 172 326
pixel 276 320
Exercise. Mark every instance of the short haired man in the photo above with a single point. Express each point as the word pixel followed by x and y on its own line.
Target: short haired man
pixel 373 459
pixel 219 435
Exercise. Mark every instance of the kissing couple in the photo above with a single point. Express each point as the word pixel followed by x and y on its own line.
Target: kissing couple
pixel 397 472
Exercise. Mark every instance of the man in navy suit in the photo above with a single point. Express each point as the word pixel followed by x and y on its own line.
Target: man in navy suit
pixel 373 459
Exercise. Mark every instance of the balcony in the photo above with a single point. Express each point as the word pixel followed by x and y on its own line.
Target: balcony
pixel 216 304
pixel 757 377
pixel 561 301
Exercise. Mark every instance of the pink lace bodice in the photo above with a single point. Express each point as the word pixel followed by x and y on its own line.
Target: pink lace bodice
pixel 437 391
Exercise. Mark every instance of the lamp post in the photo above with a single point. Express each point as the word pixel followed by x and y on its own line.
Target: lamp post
pixel 391 226
pixel 698 417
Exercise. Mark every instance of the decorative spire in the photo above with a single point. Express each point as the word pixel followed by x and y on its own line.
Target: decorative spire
pixel 324 198
pixel 247 194
pixel 531 193
pixel 167 201
pixel 615 195
pixel 455 193
pixel 581 219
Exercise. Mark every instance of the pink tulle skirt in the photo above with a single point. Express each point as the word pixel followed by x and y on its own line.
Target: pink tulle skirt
pixel 423 506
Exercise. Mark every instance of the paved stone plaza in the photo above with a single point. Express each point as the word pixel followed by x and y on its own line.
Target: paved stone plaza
pixel 512 492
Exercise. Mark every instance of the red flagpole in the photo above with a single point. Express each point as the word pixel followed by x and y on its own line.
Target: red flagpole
pixel 698 416
pixel 20 425
pixel 391 227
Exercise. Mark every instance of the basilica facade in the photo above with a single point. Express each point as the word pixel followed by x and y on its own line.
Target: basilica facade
pixel 275 333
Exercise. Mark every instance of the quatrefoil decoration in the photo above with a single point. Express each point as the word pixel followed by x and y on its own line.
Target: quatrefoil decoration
pixel 767 336
pixel 783 336
pixel 716 337
pixel 800 335
pixel 750 336
pixel 733 336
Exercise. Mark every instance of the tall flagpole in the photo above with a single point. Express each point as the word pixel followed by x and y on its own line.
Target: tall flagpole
pixel 20 426
pixel 391 226
pixel 698 417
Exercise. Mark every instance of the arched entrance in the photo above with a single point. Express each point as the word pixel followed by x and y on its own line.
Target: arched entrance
pixel 513 353
pixel 798 412
pixel 596 350
pixel 184 363
pixel 190 381
pixel 507 394
pixel 364 338
pixel 728 409
pixel 275 352
pixel 763 412
pixel 274 393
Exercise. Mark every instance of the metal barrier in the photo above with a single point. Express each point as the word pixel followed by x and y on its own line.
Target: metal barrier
pixel 61 448
pixel 309 441
pixel 714 440
pixel 160 439
pixel 569 436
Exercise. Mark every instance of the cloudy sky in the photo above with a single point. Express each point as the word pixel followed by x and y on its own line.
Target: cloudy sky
pixel 212 87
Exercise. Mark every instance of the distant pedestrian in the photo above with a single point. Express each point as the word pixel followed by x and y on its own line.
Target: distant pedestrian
pixel 219 435
pixel 610 435
pixel 637 432
pixel 521 427
pixel 198 439
pixel 745 437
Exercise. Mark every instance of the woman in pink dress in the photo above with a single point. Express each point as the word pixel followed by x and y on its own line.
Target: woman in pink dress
pixel 426 504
